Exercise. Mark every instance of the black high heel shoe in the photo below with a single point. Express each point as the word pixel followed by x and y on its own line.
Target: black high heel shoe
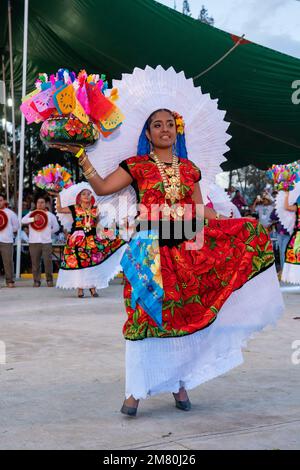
pixel 184 405
pixel 129 410
pixel 94 294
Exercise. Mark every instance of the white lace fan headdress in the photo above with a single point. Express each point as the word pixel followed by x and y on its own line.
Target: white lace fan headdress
pixel 145 91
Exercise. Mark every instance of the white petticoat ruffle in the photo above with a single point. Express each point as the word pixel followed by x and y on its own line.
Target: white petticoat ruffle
pixel 291 273
pixel 95 276
pixel 157 365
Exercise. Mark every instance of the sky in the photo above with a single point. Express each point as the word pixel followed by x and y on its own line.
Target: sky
pixel 271 23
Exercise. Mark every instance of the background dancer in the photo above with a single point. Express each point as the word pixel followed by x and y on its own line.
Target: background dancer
pixel 42 224
pixel 84 253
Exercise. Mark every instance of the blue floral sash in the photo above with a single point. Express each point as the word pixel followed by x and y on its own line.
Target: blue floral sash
pixel 141 266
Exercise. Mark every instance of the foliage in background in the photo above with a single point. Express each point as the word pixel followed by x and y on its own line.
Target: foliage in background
pixel 251 181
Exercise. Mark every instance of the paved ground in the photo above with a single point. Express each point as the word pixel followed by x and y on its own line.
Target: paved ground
pixel 63 380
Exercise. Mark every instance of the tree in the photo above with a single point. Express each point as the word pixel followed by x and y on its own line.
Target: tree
pixel 251 181
pixel 204 18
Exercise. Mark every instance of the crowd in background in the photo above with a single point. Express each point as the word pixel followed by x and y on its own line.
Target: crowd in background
pixel 57 240
pixel 28 205
pixel 261 208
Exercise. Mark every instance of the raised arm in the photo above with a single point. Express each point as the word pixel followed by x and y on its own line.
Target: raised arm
pixel 287 206
pixel 114 182
pixel 59 209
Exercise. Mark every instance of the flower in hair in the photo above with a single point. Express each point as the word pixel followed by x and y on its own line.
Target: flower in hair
pixel 179 123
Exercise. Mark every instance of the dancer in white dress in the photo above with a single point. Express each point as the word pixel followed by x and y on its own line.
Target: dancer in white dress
pixel 89 262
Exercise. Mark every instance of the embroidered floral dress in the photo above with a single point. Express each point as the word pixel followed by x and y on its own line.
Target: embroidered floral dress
pixel 291 269
pixel 86 249
pixel 88 261
pixel 196 283
pixel 292 255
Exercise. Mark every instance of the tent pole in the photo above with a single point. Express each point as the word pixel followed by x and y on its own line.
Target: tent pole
pixel 12 92
pixel 22 143
pixel 6 159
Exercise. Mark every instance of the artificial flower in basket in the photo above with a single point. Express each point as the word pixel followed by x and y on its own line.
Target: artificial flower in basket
pixel 73 109
pixel 284 176
pixel 53 178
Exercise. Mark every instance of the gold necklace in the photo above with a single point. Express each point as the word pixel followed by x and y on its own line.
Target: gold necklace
pixel 87 220
pixel 171 183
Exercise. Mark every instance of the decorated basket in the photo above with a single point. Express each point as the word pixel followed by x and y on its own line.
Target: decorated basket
pixel 53 178
pixel 73 109
pixel 284 176
pixel 69 130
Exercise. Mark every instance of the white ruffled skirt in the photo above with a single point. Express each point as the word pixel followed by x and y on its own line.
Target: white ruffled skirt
pixel 291 273
pixel 157 365
pixel 96 277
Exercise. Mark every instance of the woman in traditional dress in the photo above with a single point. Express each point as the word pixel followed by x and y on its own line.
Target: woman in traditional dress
pixel 84 253
pixel 291 268
pixel 189 308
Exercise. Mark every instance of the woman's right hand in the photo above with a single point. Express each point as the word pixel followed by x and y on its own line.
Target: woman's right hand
pixel 71 148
